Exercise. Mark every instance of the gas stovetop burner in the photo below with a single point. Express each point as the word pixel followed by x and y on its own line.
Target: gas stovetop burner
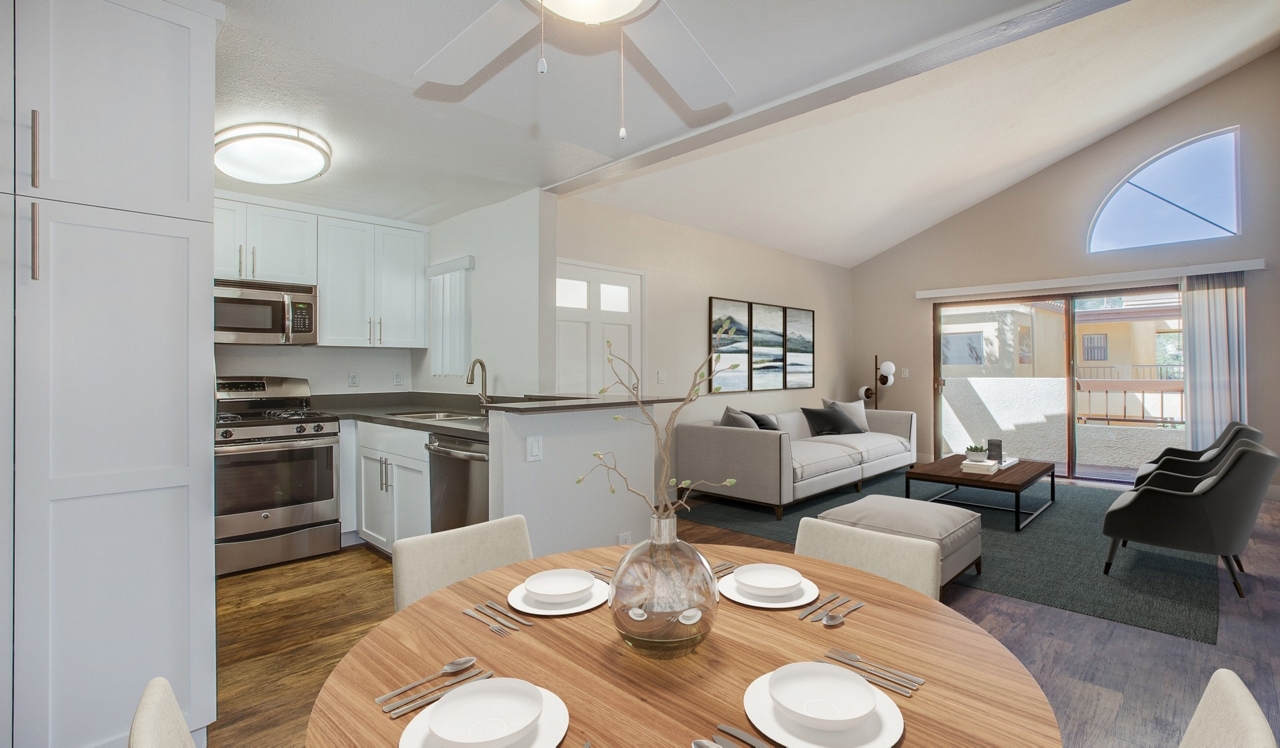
pixel 290 415
pixel 228 418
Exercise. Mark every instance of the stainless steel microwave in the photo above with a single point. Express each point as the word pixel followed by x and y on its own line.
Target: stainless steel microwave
pixel 264 313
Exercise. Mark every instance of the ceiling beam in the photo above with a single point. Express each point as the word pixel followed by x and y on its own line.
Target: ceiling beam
pixel 1061 12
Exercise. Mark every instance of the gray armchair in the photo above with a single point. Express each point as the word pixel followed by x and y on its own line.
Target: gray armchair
pixel 1198 462
pixel 1216 515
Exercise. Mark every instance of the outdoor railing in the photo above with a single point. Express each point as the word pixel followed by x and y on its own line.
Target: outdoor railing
pixel 1164 372
pixel 1150 401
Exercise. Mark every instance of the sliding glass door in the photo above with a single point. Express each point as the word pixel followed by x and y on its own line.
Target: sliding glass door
pixel 1091 382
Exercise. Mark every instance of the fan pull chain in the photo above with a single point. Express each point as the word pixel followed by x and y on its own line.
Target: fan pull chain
pixel 542 49
pixel 622 85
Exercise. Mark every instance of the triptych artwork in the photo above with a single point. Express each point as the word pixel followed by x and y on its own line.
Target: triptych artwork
pixel 772 345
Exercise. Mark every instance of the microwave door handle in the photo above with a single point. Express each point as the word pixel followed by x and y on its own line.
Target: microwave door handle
pixel 288 319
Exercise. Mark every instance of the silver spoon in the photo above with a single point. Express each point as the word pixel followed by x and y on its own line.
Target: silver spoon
pixel 835 619
pixel 704 744
pixel 456 666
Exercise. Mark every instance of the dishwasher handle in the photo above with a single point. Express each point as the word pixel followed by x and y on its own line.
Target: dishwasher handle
pixel 436 449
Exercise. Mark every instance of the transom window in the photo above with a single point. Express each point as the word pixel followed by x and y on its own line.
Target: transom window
pixel 1186 194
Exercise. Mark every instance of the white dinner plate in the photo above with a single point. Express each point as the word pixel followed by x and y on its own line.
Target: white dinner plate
pixel 548 731
pixel 522 601
pixel 880 730
pixel 806 593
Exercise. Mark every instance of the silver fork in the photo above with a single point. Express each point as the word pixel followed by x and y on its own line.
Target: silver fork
pixel 495 628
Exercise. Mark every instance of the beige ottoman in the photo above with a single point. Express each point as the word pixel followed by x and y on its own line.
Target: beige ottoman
pixel 957 531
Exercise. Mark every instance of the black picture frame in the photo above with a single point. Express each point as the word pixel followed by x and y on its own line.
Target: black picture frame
pixel 757 371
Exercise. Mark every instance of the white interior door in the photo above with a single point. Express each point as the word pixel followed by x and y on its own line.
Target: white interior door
pixel 595 305
pixel 114 572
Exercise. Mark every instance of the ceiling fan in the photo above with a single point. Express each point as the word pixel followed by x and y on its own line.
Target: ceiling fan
pixel 650 24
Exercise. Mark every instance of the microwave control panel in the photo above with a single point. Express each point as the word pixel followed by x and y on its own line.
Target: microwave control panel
pixel 303 321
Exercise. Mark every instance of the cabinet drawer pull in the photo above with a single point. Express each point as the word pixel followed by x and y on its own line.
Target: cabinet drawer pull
pixel 35 241
pixel 371 331
pixel 35 148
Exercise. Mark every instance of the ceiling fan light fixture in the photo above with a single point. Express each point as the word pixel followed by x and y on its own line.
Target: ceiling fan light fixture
pixel 596 12
pixel 268 153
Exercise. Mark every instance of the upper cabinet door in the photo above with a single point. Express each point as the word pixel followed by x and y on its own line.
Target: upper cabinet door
pixel 6 96
pixel 401 288
pixel 114 105
pixel 346 282
pixel 282 246
pixel 230 238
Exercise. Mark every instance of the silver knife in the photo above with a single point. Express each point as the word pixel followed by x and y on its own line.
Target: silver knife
pixel 507 613
pixel 724 742
pixel 750 740
pixel 821 603
pixel 868 677
pixel 496 617
pixel 432 699
pixel 453 682
pixel 820 615
pixel 874 671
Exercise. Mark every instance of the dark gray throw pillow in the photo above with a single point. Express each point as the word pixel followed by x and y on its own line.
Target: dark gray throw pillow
pixel 765 423
pixel 738 419
pixel 829 421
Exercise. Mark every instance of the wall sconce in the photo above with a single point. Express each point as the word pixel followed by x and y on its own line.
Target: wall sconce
pixel 883 377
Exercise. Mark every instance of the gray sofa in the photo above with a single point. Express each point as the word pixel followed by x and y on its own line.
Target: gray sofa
pixel 781 467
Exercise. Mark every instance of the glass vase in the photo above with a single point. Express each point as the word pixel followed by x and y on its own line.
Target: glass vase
pixel 663 595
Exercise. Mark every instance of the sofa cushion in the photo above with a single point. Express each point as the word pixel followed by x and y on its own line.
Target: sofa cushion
pixel 872 446
pixel 857 411
pixel 951 527
pixel 832 420
pixel 810 459
pixel 737 419
pixel 765 423
pixel 794 423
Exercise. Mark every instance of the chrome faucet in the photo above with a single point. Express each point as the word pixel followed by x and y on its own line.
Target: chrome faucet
pixel 484 379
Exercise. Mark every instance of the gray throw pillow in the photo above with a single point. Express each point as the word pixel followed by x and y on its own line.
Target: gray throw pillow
pixel 829 421
pixel 766 423
pixel 857 411
pixel 737 419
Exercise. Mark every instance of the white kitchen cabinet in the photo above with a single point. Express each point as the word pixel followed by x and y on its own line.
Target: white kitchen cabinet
pixel 395 484
pixel 347 253
pixel 282 245
pixel 6 470
pixel 376 512
pixel 6 111
pixel 113 470
pixel 400 298
pixel 114 104
pixel 230 237
pixel 408 482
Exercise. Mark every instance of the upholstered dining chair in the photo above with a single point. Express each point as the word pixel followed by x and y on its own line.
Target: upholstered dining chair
pixel 423 564
pixel 1202 462
pixel 911 562
pixel 158 720
pixel 1228 715
pixel 1216 516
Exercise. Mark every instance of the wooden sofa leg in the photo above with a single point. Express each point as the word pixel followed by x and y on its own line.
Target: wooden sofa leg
pixel 1231 568
pixel 858 486
pixel 777 512
pixel 977 565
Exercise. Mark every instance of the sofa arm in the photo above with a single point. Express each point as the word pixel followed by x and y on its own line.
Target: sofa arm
pixel 759 460
pixel 897 422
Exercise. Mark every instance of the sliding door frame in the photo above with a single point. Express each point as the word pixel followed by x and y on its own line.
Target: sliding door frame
pixel 1069 336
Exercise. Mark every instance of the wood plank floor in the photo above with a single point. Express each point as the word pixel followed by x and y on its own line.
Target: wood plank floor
pixel 281 630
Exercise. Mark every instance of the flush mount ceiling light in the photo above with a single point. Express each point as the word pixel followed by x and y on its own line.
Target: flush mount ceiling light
pixel 266 153
pixel 594 12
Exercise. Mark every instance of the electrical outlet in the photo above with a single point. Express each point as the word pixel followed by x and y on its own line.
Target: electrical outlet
pixel 662 377
pixel 533 449
pixel 353 379
pixel 624 538
pixel 397 379
pixel 906 373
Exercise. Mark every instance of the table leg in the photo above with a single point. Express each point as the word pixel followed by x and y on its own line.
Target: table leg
pixel 1053 488
pixel 1017 511
pixel 908 492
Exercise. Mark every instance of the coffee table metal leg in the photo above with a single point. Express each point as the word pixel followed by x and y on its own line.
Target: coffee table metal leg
pixel 1017 511
pixel 908 488
pixel 1053 488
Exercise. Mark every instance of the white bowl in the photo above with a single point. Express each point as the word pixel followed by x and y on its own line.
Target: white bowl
pixel 767 580
pixel 821 696
pixel 559 585
pixel 487 714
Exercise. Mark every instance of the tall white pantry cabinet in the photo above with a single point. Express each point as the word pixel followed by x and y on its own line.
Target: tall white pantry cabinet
pixel 110 259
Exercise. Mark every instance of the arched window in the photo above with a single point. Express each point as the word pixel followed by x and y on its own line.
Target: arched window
pixel 1184 194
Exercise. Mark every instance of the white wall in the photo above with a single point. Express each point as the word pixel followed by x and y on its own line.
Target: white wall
pixel 326 368
pixel 505 314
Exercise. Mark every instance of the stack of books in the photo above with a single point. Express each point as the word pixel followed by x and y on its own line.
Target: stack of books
pixel 986 467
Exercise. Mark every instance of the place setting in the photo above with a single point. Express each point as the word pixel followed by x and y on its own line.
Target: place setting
pixel 490 713
pixel 768 586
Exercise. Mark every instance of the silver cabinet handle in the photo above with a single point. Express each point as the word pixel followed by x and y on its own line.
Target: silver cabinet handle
pixel 379 331
pixel 240 259
pixel 255 262
pixel 382 476
pixel 35 241
pixel 371 331
pixel 389 486
pixel 35 148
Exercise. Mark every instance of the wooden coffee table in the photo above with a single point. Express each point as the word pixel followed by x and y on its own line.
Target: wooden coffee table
pixel 1014 479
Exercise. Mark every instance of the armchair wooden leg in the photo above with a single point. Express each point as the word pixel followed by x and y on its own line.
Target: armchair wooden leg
pixel 777 512
pixel 1111 555
pixel 1239 565
pixel 1231 568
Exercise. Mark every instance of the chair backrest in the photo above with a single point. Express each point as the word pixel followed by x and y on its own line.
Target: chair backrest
pixel 158 720
pixel 1234 495
pixel 426 563
pixel 1235 432
pixel 912 562
pixel 1228 715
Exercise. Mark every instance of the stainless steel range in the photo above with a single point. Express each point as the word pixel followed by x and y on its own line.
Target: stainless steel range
pixel 275 474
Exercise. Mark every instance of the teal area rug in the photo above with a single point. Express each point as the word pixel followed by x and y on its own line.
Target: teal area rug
pixel 1056 561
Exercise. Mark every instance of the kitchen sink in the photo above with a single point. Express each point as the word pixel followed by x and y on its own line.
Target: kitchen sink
pixel 457 419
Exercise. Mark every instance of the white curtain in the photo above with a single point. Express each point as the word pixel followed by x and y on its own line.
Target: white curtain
pixel 449 323
pixel 1213 336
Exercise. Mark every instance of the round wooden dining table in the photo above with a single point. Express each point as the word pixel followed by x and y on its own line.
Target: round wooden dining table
pixel 975 693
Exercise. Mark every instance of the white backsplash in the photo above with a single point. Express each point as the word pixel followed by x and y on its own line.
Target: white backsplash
pixel 326 368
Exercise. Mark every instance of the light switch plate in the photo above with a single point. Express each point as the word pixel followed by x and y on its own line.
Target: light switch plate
pixel 533 449
pixel 906 373
pixel 397 379
pixel 662 377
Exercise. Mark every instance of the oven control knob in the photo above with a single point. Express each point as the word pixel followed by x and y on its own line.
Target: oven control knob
pixel 226 433
pixel 318 427
pixel 300 430
pixel 266 515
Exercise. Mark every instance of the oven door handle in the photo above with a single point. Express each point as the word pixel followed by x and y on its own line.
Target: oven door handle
pixel 231 449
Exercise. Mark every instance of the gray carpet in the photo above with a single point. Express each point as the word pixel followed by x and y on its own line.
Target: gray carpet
pixel 1056 561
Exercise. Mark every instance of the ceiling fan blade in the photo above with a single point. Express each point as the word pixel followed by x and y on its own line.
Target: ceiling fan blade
pixel 664 39
pixel 477 46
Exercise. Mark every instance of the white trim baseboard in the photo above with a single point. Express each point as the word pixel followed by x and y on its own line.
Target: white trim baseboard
pixel 1091 282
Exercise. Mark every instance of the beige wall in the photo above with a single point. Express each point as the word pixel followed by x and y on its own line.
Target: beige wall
pixel 1038 229
pixel 684 267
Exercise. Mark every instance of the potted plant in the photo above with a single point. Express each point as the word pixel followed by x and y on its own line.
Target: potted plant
pixel 663 594
pixel 976 453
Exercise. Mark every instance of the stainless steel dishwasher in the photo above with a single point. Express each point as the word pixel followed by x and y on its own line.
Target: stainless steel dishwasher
pixel 459 482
